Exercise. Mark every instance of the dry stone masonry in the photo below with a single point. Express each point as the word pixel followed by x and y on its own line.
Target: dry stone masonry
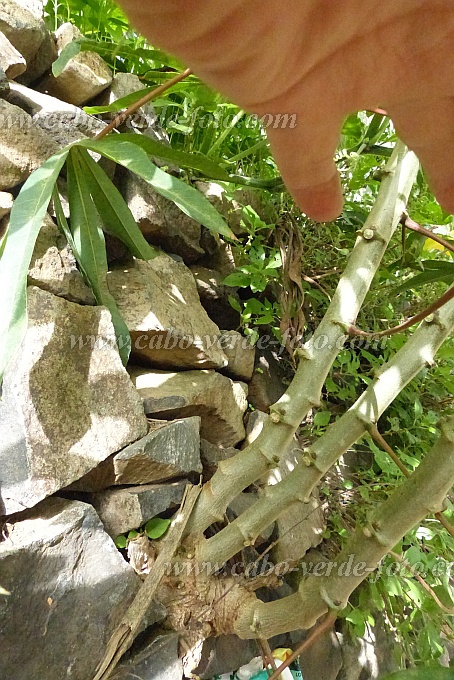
pixel 90 449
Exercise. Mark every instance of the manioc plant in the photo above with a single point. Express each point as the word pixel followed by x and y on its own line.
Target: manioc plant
pixel 214 605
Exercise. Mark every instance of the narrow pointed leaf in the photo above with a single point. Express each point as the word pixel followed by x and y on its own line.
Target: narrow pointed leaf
pixel 188 199
pixel 115 214
pixel 90 247
pixel 27 216
pixel 195 161
pixel 119 104
pixel 68 52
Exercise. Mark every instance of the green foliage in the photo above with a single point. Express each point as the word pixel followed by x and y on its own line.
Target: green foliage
pixel 423 674
pixel 155 529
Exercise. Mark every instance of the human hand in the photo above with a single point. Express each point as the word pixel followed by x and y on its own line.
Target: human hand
pixel 322 60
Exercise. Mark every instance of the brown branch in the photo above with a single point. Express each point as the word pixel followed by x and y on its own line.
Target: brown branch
pixel 431 309
pixel 327 622
pixel 267 654
pixel 408 223
pixel 124 115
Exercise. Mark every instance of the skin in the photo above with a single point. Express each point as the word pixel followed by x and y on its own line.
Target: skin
pixel 322 59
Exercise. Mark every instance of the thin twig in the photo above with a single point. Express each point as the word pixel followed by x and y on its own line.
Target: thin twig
pixel 321 628
pixel 124 115
pixel 408 223
pixel 267 654
pixel 431 309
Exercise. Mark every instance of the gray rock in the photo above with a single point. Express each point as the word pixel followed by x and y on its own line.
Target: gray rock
pixel 224 654
pixel 158 661
pixel 231 205
pixel 240 356
pixel 53 266
pixel 214 297
pixel 62 122
pixel 169 327
pixel 23 26
pixel 220 402
pixel 121 510
pixel 211 456
pixel 11 61
pixel 69 590
pixel 83 77
pixel 145 120
pixel 268 381
pixel 168 450
pixel 23 145
pixel 6 203
pixel 42 61
pixel 160 220
pixel 64 409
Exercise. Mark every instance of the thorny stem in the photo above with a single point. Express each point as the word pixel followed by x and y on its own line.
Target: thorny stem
pixel 124 115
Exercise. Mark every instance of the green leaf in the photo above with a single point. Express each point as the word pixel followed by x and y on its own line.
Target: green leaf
pixel 423 674
pixel 195 161
pixel 443 271
pixel 71 50
pixel 156 527
pixel 121 541
pixel 119 104
pixel 90 246
pixel 322 418
pixel 116 216
pixel 188 199
pixel 27 216
pixel 237 279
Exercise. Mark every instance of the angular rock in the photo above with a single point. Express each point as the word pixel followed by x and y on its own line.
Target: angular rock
pixel 42 61
pixel 157 661
pixel 11 61
pixel 53 266
pixel 64 408
pixel 224 654
pixel 240 356
pixel 145 120
pixel 23 26
pixel 121 510
pixel 268 380
pixel 214 297
pixel 23 146
pixel 220 402
pixel 159 303
pixel 211 455
pixel 62 122
pixel 69 589
pixel 83 77
pixel 232 206
pixel 168 450
pixel 160 220
pixel 6 203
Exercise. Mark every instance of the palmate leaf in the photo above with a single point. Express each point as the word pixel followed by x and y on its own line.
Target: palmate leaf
pixel 188 199
pixel 115 214
pixel 90 248
pixel 27 216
